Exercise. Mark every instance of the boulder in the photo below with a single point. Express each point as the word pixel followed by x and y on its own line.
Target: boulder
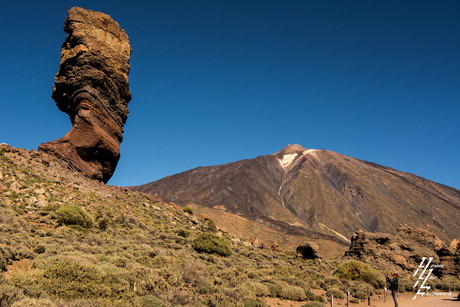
pixel 203 217
pixel 151 198
pixel 254 241
pixel 276 248
pixel 92 88
pixel 308 251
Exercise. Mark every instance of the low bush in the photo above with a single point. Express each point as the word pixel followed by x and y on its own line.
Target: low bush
pixel 32 302
pixel 292 293
pixel 33 292
pixel 336 292
pixel 360 295
pixel 9 294
pixel 79 228
pixel 253 303
pixel 212 226
pixel 357 270
pixel 310 296
pixel 6 255
pixel 74 215
pixel 212 244
pixel 354 301
pixel 185 233
pixel 40 249
pixel 188 210
pixel 148 301
pixel 71 280
pixel 103 223
pixel 260 290
pixel 313 304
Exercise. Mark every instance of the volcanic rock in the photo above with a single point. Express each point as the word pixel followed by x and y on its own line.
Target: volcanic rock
pixel 308 250
pixel 92 88
pixel 404 251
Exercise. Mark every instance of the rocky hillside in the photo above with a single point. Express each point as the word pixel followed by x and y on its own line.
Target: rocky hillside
pixel 317 194
pixel 67 240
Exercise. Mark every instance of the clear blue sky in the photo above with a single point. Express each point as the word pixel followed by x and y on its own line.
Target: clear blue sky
pixel 219 81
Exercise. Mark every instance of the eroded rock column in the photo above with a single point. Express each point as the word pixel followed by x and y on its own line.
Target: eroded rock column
pixel 92 88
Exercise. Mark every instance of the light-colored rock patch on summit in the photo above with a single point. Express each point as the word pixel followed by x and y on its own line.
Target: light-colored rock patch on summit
pixel 286 160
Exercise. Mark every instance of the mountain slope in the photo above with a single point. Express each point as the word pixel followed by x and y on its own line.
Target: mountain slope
pixel 316 193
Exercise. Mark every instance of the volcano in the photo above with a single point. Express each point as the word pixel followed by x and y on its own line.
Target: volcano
pixel 318 194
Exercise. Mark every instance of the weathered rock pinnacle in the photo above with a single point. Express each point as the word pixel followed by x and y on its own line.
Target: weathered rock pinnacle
pixel 92 88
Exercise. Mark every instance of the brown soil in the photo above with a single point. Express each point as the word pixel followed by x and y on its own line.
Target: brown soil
pixel 404 300
pixel 20 265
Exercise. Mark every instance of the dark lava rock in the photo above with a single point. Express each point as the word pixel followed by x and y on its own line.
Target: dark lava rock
pixel 308 251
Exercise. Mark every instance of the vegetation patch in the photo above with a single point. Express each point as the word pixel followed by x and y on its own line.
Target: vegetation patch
pixel 74 215
pixel 188 210
pixel 357 270
pixel 71 280
pixel 212 244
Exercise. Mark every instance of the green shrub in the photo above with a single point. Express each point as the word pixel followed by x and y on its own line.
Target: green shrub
pixel 313 304
pixel 103 223
pixel 33 292
pixel 148 301
pixel 212 226
pixel 9 294
pixel 71 280
pixel 185 233
pixel 120 262
pixel 292 293
pixel 40 249
pixel 260 289
pixel 336 292
pixel 356 270
pixel 360 295
pixel 310 296
pixel 6 255
pixel 79 229
pixel 74 215
pixel 354 301
pixel 188 210
pixel 32 302
pixel 212 244
pixel 51 207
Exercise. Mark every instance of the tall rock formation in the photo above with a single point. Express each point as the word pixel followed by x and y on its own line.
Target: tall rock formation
pixel 92 88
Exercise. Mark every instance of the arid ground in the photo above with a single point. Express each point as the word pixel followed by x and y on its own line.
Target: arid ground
pixel 404 300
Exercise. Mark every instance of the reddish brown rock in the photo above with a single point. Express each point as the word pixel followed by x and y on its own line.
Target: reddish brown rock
pixel 203 217
pixel 151 198
pixel 404 251
pixel 277 248
pixel 264 245
pixel 454 245
pixel 92 88
pixel 254 241
pixel 176 207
